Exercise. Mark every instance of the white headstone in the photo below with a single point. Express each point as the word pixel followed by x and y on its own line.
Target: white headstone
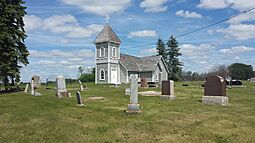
pixel 81 86
pixel 26 89
pixel 61 87
pixel 61 84
pixel 32 87
pixel 133 106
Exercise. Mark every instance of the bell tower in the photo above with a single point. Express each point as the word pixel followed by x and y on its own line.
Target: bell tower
pixel 107 56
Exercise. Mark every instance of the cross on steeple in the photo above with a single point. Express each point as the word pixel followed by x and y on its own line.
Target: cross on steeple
pixel 107 18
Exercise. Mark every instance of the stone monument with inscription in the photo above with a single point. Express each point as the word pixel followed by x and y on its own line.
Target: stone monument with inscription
pixel 133 106
pixel 215 91
pixel 167 90
pixel 61 87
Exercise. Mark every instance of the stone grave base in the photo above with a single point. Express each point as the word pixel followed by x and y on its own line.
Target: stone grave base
pixel 37 94
pixel 127 91
pixel 133 109
pixel 150 93
pixel 215 100
pixel 63 94
pixel 96 98
pixel 167 97
pixel 80 105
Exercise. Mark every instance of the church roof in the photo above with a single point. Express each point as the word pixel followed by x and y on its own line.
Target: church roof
pixel 107 35
pixel 133 63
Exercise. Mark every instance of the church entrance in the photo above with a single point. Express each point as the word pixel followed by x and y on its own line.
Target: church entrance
pixel 114 77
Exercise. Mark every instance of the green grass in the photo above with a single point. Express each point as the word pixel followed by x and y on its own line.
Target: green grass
pixel 24 118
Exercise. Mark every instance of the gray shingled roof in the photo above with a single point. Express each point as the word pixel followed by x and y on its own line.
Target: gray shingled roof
pixel 133 63
pixel 107 35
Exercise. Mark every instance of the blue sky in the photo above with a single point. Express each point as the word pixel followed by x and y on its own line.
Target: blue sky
pixel 61 32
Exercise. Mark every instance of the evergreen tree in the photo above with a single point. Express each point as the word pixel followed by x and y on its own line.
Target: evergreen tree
pixel 161 49
pixel 173 63
pixel 13 51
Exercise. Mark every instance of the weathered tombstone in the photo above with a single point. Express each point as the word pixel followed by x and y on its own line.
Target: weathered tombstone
pixel 144 83
pixel 26 89
pixel 37 82
pixel 127 91
pixel 215 91
pixel 32 87
pixel 133 106
pixel 61 87
pixel 167 90
pixel 81 86
pixel 79 100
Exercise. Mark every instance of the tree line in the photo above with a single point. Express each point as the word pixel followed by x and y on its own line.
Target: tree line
pixel 171 52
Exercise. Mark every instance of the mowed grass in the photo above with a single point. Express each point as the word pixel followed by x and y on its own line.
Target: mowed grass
pixel 24 118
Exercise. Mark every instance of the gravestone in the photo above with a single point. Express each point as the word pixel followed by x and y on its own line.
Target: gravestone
pixel 215 91
pixel 237 83
pixel 81 86
pixel 127 91
pixel 79 100
pixel 167 90
pixel 144 83
pixel 32 87
pixel 61 87
pixel 37 82
pixel 133 106
pixel 26 89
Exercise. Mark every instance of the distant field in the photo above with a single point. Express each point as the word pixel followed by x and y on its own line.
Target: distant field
pixel 28 119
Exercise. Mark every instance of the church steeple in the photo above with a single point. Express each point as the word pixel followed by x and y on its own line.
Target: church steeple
pixel 107 35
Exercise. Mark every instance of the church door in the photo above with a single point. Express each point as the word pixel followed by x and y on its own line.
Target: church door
pixel 114 77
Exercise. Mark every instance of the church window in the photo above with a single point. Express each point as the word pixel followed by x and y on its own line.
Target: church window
pixel 114 52
pixel 102 74
pixel 102 52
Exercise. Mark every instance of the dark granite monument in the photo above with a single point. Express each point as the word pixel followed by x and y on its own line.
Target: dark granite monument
pixel 215 91
pixel 144 83
pixel 167 90
pixel 79 100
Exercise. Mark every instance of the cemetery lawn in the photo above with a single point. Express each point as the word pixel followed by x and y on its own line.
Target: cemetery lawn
pixel 28 119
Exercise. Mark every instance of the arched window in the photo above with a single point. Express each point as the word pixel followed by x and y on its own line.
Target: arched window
pixel 114 52
pixel 102 74
pixel 102 52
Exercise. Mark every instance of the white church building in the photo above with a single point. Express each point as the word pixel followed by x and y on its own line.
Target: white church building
pixel 112 67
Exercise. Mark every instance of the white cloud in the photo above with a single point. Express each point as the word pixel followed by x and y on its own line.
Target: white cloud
pixel 239 31
pixel 62 24
pixel 143 33
pixel 221 4
pixel 250 16
pixel 99 7
pixel 237 50
pixel 188 14
pixel 148 52
pixel 32 22
pixel 84 53
pixel 154 6
pixel 213 4
pixel 46 62
pixel 201 50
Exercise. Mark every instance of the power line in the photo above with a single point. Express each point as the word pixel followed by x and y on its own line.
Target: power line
pixel 202 28
pixel 205 27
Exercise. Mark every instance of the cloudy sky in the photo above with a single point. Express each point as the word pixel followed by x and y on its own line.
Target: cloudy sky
pixel 61 32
